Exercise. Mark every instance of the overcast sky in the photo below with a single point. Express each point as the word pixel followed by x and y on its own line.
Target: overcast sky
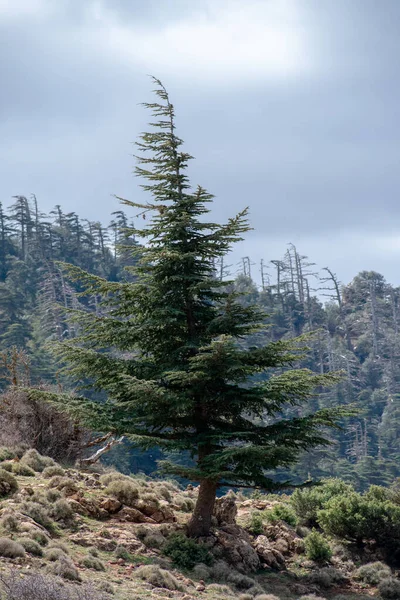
pixel 289 106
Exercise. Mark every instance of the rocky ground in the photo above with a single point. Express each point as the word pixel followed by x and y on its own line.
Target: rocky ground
pixel 108 531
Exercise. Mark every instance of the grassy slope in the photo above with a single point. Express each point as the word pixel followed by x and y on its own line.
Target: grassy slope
pixel 81 533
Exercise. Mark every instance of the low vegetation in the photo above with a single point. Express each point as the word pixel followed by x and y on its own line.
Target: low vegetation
pixel 55 537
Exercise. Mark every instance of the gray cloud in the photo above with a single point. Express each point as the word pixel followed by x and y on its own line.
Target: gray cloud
pixel 307 134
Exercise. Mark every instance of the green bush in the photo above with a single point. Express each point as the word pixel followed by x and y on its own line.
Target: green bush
pixel 8 483
pixel 52 471
pixel 389 589
pixel 9 522
pixel 6 453
pixel 255 524
pixel 18 468
pixel 61 511
pixel 65 485
pixel 38 513
pixel 121 552
pixel 11 549
pixel 185 552
pixel 317 548
pixel 123 490
pixel 282 512
pixel 326 577
pixel 53 554
pixel 307 502
pixel 36 461
pixel 91 562
pixel 373 573
pixel 65 568
pixel 359 518
pixel 378 493
pixel 107 478
pixel 52 496
pixel 159 577
pixel 39 537
pixel 31 546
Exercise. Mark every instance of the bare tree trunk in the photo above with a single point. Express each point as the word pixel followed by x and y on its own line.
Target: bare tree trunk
pixel 374 316
pixel 200 523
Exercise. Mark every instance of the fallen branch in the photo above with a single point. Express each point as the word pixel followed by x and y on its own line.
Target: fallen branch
pixel 96 456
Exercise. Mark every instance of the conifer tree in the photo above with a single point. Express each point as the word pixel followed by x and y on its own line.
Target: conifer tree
pixel 168 347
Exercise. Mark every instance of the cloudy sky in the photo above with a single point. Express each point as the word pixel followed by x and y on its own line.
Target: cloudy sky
pixel 289 106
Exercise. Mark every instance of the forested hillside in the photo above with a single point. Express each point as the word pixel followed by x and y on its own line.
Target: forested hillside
pixel 356 326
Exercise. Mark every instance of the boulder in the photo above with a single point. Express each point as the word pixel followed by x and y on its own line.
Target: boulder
pixel 268 554
pixel 225 510
pixel 111 505
pixel 133 515
pixel 163 515
pixel 234 546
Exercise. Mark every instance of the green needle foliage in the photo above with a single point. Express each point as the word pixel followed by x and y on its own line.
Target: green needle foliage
pixel 168 351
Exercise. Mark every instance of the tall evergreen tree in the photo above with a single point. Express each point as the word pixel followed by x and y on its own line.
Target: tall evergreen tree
pixel 168 349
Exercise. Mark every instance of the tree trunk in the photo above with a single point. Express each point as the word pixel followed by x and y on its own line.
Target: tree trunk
pixel 200 523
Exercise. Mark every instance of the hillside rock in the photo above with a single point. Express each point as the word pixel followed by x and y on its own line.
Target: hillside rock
pixel 268 554
pixel 225 510
pixel 133 515
pixel 234 544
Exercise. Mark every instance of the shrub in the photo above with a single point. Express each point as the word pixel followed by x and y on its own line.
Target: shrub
pixel 282 512
pixel 60 546
pixel 266 597
pixel 105 586
pixel 123 490
pixel 242 582
pixel 183 503
pixel 221 570
pixel 7 466
pixel 39 537
pixel 121 552
pixel 5 453
pixel 201 571
pixel 307 502
pixel 357 518
pixel 36 461
pixel 91 562
pixel 164 492
pixel 8 483
pixel 222 590
pixel 154 540
pixel 61 510
pixel 31 546
pixel 34 586
pixel 317 548
pixel 389 589
pixel 159 577
pixel 10 549
pixel 373 573
pixel 378 493
pixel 326 577
pixel 107 478
pixel 255 524
pixel 66 485
pixel 185 552
pixel 65 568
pixel 38 513
pixel 53 554
pixel 93 551
pixel 52 471
pixel 52 495
pixel 18 468
pixel 9 522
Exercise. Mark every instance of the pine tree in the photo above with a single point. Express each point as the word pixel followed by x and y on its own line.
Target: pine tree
pixel 169 347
